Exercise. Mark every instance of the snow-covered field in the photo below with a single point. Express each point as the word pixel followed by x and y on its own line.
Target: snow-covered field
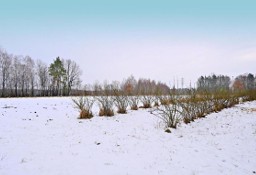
pixel 42 136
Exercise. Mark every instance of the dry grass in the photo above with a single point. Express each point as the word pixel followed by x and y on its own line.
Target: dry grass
pixel 85 114
pixel 134 107
pixel 106 112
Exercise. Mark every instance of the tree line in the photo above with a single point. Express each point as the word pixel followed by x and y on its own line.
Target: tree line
pixel 129 86
pixel 222 82
pixel 22 76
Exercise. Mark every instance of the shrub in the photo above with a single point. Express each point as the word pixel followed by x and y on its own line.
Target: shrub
pixel 156 101
pixel 164 100
pixel 104 99
pixel 133 102
pixel 121 101
pixel 195 105
pixel 146 101
pixel 170 114
pixel 106 106
pixel 84 105
pixel 188 112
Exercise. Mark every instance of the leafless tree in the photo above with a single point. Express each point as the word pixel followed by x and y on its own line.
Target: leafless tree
pixel 30 72
pixel 23 76
pixel 73 73
pixel 43 77
pixel 16 74
pixel 5 69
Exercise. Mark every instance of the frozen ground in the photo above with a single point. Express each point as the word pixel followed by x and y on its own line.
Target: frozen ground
pixel 43 136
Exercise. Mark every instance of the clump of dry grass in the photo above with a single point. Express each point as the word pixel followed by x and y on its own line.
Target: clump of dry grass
pixel 85 114
pixel 106 112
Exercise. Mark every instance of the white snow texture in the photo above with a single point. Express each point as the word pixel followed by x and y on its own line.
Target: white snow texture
pixel 42 136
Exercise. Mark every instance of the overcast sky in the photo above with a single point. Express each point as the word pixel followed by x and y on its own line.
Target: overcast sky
pixel 112 39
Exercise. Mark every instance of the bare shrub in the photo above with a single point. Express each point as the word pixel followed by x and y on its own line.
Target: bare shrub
pixel 120 99
pixel 188 111
pixel 84 105
pixel 106 106
pixel 170 114
pixel 156 101
pixel 147 101
pixel 203 104
pixel 105 100
pixel 146 91
pixel 194 105
pixel 134 102
pixel 164 99
pixel 233 100
pixel 220 100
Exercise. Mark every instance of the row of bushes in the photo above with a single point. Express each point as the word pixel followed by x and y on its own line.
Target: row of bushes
pixel 172 108
pixel 107 104
pixel 198 104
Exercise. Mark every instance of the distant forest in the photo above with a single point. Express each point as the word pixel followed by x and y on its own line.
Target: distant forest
pixel 22 76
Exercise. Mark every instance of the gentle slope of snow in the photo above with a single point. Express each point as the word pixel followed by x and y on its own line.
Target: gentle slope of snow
pixel 44 136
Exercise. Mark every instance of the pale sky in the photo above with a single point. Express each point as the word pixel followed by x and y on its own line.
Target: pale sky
pixel 110 40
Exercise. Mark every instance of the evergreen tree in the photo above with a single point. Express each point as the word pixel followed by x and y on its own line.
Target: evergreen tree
pixel 57 72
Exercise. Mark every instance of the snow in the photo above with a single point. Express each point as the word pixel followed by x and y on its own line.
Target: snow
pixel 43 136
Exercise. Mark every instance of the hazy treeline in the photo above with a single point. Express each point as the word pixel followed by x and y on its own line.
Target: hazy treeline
pixel 222 82
pixel 22 76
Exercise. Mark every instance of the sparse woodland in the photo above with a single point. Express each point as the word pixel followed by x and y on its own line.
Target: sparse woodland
pixel 22 76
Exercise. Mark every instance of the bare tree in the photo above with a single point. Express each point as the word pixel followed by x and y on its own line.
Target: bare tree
pixel 20 76
pixel 30 75
pixel 5 69
pixel 73 73
pixel 16 73
pixel 23 76
pixel 43 77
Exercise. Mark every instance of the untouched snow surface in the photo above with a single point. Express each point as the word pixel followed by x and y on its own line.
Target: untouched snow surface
pixel 41 136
